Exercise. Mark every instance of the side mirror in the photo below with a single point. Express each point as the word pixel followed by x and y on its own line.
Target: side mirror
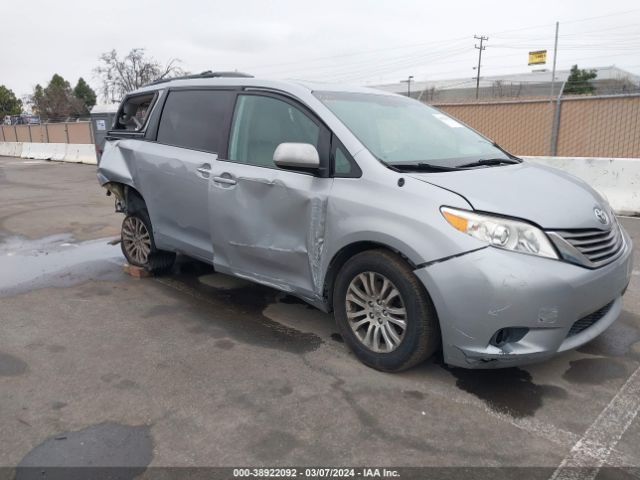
pixel 296 155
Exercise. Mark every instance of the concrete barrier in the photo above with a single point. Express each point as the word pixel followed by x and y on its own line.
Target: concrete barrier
pixel 26 150
pixel 58 151
pixel 10 149
pixel 38 151
pixel 44 151
pixel 81 153
pixel 617 179
pixel 64 152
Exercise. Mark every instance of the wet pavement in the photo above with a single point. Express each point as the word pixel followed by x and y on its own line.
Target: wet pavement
pixel 199 369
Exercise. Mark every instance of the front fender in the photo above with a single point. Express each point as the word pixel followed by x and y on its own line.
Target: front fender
pixel 406 219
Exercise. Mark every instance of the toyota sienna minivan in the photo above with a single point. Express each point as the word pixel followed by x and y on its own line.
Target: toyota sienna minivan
pixel 417 232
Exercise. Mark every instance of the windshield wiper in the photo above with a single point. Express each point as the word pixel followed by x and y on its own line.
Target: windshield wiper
pixel 489 162
pixel 420 167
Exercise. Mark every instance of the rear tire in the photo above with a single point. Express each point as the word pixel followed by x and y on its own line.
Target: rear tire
pixel 384 313
pixel 139 247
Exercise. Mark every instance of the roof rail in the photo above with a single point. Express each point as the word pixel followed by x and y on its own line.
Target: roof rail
pixel 205 74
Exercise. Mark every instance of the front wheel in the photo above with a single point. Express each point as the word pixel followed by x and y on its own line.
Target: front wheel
pixel 384 313
pixel 139 247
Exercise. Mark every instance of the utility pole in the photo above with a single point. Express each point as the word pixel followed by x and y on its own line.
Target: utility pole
pixel 480 48
pixel 555 51
pixel 408 81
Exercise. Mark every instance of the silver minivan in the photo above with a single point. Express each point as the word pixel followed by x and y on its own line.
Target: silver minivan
pixel 416 231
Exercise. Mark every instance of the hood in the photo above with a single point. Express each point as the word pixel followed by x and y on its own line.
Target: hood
pixel 545 196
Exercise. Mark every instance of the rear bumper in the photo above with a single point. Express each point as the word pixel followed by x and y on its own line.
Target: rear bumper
pixel 480 293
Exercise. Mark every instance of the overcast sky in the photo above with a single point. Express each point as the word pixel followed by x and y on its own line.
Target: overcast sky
pixel 352 41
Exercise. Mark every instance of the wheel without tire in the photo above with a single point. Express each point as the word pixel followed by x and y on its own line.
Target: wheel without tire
pixel 139 247
pixel 384 313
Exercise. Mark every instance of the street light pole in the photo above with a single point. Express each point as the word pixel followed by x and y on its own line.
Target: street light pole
pixel 408 81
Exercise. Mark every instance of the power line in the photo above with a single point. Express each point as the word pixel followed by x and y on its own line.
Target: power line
pixel 424 44
pixel 369 65
pixel 363 67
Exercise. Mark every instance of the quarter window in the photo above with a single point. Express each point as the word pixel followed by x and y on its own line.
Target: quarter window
pixel 261 123
pixel 196 119
pixel 342 165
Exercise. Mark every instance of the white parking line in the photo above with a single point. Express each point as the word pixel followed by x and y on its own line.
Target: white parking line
pixel 29 162
pixel 594 448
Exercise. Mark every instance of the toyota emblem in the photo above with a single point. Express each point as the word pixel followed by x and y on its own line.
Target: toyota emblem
pixel 601 215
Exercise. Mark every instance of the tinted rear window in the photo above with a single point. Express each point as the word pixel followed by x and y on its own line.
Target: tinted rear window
pixel 196 119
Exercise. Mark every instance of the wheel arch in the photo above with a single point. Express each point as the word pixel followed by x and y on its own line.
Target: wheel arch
pixel 128 198
pixel 345 253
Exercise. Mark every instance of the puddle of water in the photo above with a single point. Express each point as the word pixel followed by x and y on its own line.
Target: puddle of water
pixel 508 390
pixel 242 317
pixel 104 451
pixel 55 261
pixel 11 366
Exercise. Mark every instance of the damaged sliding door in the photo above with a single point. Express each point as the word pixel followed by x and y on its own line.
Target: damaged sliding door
pixel 268 224
pixel 192 130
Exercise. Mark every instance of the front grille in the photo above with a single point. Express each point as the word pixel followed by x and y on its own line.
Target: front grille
pixel 595 247
pixel 586 322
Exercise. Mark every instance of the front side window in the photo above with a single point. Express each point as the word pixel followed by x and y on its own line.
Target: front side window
pixel 262 123
pixel 195 119
pixel 398 130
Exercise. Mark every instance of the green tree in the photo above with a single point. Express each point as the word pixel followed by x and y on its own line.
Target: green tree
pixel 56 100
pixel 85 94
pixel 579 81
pixel 9 104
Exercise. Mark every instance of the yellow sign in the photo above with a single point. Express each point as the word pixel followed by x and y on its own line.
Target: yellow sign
pixel 539 57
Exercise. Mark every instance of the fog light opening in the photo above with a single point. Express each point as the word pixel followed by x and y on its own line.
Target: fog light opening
pixel 508 335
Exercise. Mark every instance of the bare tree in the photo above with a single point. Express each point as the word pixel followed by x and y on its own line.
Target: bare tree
pixel 122 75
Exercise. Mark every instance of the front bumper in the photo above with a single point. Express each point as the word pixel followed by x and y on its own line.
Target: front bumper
pixel 482 292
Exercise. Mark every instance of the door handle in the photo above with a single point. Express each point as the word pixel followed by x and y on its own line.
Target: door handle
pixel 204 170
pixel 225 180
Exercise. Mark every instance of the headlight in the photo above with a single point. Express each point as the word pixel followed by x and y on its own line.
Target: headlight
pixel 500 232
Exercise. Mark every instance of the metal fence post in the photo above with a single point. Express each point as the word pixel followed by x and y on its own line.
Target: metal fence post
pixel 555 125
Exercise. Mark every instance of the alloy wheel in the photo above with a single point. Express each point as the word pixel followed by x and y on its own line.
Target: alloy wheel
pixel 136 239
pixel 376 312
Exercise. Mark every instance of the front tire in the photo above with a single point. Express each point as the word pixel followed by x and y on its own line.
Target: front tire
pixel 138 245
pixel 384 313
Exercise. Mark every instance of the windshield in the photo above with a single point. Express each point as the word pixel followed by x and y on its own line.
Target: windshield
pixel 398 130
